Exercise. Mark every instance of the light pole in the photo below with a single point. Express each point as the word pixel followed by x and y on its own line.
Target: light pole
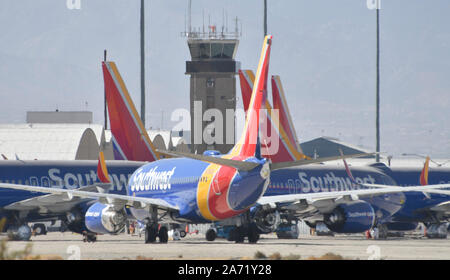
pixel 142 64
pixel 265 18
pixel 378 88
pixel 104 104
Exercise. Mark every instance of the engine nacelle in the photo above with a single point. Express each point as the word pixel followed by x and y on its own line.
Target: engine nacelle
pixel 266 220
pixel 353 217
pixel 101 218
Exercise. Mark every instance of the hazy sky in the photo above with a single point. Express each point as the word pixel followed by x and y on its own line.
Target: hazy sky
pixel 324 51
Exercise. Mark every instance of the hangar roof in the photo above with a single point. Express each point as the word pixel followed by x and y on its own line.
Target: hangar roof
pixel 50 141
pixel 329 147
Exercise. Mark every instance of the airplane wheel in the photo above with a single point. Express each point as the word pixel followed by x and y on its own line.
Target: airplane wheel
pixel 151 232
pixel 182 234
pixel 91 237
pixel 163 235
pixel 211 235
pixel 39 229
pixel 239 234
pixel 253 235
pixel 232 235
pixel 383 232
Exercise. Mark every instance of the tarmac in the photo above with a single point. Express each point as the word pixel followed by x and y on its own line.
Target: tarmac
pixel 57 245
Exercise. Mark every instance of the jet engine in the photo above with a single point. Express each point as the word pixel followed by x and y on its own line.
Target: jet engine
pixel 101 218
pixel 354 217
pixel 266 220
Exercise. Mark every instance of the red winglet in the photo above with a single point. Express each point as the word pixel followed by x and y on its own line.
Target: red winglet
pixel 102 171
pixel 424 174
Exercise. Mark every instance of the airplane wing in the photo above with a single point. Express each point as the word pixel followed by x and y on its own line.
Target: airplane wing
pixel 444 192
pixel 119 201
pixel 246 166
pixel 56 202
pixel 326 201
pixel 279 165
pixel 423 178
pixel 240 165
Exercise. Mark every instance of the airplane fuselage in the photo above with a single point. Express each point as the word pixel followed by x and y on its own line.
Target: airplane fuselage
pixel 418 202
pixel 59 174
pixel 203 192
pixel 325 178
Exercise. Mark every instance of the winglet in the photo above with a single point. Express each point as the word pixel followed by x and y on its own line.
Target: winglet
pixel 424 174
pixel 347 169
pixel 102 171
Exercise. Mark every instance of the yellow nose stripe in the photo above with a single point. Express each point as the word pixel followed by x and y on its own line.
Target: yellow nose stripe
pixel 203 191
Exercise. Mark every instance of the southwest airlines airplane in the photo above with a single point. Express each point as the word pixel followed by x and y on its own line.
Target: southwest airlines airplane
pixel 17 207
pixel 205 188
pixel 433 209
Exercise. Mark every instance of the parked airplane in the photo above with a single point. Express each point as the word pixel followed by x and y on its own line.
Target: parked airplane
pixel 20 207
pixel 431 208
pixel 415 209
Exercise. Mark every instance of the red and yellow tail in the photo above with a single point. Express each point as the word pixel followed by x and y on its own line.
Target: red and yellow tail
pixel 249 142
pixel 280 104
pixel 246 79
pixel 130 139
pixel 278 121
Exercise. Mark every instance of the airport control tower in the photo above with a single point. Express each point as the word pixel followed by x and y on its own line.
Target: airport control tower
pixel 212 87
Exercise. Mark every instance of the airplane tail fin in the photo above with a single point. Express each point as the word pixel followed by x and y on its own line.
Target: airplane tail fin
pixel 248 145
pixel 280 104
pixel 283 146
pixel 130 139
pixel 246 79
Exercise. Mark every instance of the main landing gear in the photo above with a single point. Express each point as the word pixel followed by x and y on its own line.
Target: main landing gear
pixel 239 233
pixel 437 231
pixel 89 236
pixel 153 231
pixel 235 233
